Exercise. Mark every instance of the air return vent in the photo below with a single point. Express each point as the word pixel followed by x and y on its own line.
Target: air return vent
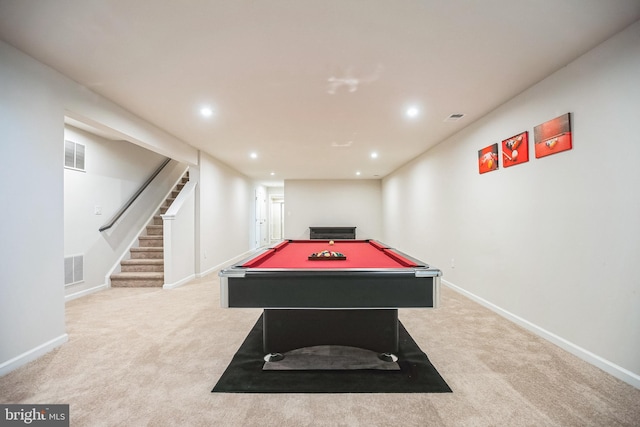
pixel 73 155
pixel 73 269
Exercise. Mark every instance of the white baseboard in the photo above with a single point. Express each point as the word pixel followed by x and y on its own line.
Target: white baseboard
pixel 33 354
pixel 227 263
pixel 179 282
pixel 85 292
pixel 607 366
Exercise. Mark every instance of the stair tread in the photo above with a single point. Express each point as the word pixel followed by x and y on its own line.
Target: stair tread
pixel 132 275
pixel 142 261
pixel 148 255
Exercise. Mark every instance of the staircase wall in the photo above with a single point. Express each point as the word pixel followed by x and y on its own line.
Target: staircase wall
pixel 114 171
pixel 179 239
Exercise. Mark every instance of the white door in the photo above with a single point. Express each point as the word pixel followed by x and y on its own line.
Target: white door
pixel 276 220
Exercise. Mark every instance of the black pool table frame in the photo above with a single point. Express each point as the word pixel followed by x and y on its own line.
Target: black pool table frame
pixel 350 307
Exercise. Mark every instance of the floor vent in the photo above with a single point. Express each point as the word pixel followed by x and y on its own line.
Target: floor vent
pixel 73 269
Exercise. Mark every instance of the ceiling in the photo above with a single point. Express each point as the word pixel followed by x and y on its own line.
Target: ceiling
pixel 312 87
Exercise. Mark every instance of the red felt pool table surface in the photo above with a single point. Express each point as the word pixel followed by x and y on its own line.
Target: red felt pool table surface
pixel 294 254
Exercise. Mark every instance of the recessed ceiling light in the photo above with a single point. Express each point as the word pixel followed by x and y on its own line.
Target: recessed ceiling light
pixel 374 155
pixel 412 112
pixel 273 173
pixel 358 173
pixel 253 155
pixel 206 111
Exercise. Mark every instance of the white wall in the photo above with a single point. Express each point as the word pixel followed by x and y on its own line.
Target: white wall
pixel 34 102
pixel 225 211
pixel 31 223
pixel 333 203
pixel 551 243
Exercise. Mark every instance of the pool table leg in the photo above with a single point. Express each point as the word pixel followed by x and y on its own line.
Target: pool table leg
pixel 371 329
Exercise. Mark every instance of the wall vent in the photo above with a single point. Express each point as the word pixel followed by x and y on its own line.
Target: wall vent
pixel 73 269
pixel 73 155
pixel 454 117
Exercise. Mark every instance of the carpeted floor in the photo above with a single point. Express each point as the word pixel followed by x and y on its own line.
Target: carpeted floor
pixel 139 357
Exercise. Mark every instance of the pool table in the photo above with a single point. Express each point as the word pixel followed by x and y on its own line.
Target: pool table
pixel 308 301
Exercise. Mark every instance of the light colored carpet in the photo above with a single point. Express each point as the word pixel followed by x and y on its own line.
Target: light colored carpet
pixel 139 357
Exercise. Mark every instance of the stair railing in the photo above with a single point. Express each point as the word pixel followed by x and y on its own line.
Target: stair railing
pixel 133 198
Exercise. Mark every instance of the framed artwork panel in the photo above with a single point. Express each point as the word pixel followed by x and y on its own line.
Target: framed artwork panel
pixel 488 159
pixel 553 136
pixel 515 150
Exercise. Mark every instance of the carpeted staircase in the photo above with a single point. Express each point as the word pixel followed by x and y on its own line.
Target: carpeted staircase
pixel 145 267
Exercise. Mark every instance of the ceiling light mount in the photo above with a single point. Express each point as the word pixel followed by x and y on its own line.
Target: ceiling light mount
pixel 341 144
pixel 454 117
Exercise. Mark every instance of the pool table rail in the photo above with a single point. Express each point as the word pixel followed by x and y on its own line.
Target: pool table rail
pixel 412 284
pixel 330 289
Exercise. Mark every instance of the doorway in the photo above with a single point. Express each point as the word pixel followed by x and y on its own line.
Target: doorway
pixel 261 218
pixel 276 218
